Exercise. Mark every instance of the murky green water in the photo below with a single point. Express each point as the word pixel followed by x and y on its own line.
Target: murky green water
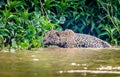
pixel 56 62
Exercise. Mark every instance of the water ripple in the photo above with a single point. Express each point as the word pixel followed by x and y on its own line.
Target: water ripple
pixel 90 71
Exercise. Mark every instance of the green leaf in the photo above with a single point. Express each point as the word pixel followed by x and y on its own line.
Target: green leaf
pixel 4 32
pixel 14 4
pixel 31 27
pixel 25 44
pixel 7 13
pixel 101 25
pixel 103 33
pixel 25 15
pixel 2 25
pixel 92 25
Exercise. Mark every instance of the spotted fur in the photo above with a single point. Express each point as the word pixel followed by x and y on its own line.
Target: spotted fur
pixel 69 39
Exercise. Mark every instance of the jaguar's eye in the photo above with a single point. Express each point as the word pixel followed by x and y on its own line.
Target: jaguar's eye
pixel 49 35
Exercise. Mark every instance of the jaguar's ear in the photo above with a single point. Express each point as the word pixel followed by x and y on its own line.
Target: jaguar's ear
pixel 69 32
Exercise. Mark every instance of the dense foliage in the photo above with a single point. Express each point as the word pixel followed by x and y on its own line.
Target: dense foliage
pixel 23 23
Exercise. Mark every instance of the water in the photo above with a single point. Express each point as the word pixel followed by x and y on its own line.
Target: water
pixel 57 62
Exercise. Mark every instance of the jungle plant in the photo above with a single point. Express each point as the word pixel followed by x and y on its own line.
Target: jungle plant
pixel 22 28
pixel 110 33
pixel 112 29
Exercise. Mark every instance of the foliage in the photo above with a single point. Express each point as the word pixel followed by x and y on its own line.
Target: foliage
pixel 22 28
pixel 111 29
pixel 23 23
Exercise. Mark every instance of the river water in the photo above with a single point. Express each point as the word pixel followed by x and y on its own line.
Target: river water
pixel 58 62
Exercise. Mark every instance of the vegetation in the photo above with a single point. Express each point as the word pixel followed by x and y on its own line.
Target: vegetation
pixel 23 23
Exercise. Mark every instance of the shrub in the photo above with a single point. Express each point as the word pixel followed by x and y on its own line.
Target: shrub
pixel 22 26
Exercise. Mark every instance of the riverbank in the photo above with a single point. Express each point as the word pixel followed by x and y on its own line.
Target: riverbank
pixel 58 48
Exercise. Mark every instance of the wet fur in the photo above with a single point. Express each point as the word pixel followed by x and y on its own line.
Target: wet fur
pixel 69 39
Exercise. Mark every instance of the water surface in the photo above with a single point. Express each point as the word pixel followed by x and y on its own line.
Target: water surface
pixel 58 62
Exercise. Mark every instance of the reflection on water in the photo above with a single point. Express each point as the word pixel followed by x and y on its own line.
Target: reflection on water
pixel 90 71
pixel 99 70
pixel 108 68
pixel 58 62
